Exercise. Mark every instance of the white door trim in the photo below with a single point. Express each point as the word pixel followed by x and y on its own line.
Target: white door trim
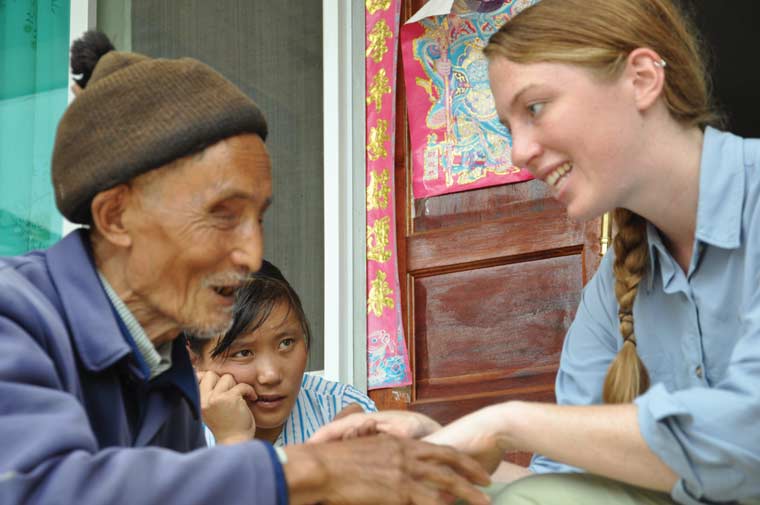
pixel 344 195
pixel 83 16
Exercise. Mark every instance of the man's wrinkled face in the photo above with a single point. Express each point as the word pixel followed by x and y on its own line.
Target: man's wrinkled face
pixel 197 233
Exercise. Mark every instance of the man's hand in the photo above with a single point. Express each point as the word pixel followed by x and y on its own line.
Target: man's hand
pixel 400 423
pixel 381 470
pixel 224 405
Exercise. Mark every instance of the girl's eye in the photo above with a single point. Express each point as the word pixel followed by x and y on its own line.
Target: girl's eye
pixel 286 343
pixel 244 353
pixel 535 108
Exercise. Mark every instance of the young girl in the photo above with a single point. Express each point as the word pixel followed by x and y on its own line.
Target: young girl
pixel 252 380
pixel 658 389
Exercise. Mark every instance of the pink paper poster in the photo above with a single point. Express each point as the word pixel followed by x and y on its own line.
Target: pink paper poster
pixel 387 355
pixel 457 141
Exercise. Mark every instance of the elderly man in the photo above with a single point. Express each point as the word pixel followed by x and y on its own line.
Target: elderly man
pixel 164 161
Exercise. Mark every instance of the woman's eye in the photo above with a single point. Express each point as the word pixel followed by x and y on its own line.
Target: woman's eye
pixel 535 108
pixel 244 353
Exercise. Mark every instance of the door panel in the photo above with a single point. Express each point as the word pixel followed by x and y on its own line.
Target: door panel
pixel 490 282
pixel 540 225
pixel 489 329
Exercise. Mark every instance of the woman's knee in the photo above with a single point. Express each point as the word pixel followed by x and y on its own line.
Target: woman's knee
pixel 545 489
pixel 575 489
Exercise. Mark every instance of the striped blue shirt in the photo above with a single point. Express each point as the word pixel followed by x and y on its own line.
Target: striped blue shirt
pixel 318 402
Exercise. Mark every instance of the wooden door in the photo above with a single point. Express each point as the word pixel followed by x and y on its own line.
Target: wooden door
pixel 490 281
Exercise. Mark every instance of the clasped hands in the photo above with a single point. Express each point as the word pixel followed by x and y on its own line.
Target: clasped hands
pixel 392 468
pixel 475 434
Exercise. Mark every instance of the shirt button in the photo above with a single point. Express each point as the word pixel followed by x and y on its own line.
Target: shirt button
pixel 698 371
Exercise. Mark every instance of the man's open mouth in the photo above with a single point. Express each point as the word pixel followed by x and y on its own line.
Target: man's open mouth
pixel 225 291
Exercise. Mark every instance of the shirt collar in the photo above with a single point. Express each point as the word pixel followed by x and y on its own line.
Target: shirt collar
pixel 181 375
pixel 158 360
pixel 720 201
pixel 721 190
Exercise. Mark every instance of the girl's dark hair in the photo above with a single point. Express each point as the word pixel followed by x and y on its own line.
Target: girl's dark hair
pixel 85 53
pixel 254 303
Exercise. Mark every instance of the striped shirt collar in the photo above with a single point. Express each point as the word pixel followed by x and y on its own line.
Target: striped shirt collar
pixel 158 360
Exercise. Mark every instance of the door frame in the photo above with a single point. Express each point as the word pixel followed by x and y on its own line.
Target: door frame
pixel 345 311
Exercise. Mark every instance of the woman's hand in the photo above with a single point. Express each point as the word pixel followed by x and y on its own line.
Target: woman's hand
pixel 477 435
pixel 400 423
pixel 224 406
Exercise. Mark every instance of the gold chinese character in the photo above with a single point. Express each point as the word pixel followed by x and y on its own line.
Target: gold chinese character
pixel 377 5
pixel 378 240
pixel 377 41
pixel 378 136
pixel 380 86
pixel 379 292
pixel 378 190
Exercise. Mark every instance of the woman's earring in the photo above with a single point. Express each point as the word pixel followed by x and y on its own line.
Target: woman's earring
pixel 661 63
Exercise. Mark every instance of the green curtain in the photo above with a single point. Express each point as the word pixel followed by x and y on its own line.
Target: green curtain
pixel 34 40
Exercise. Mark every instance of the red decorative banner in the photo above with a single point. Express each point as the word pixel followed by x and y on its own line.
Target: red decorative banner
pixel 387 356
pixel 457 140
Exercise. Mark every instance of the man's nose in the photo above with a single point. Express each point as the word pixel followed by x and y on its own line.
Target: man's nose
pixel 249 247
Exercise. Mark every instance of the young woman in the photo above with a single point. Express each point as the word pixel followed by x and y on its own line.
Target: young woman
pixel 252 380
pixel 658 389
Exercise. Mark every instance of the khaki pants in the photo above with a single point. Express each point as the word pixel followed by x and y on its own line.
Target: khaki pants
pixel 576 489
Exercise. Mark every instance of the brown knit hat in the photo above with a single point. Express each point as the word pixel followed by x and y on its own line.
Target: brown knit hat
pixel 139 113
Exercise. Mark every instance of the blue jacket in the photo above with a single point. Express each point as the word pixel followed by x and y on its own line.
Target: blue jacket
pixel 79 421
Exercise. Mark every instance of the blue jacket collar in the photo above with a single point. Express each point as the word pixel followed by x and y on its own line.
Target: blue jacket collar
pixel 99 336
pixel 95 333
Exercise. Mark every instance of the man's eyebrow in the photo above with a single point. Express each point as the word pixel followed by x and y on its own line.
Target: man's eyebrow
pixel 235 194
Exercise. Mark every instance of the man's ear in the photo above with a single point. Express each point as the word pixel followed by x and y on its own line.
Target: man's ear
pixel 647 70
pixel 108 208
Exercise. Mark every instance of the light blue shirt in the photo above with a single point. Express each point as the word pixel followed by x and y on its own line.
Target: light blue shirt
pixel 697 333
pixel 317 403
